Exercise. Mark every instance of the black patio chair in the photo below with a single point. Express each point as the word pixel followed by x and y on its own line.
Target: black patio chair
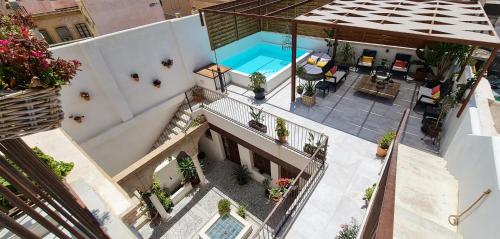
pixel 425 93
pixel 403 71
pixel 369 66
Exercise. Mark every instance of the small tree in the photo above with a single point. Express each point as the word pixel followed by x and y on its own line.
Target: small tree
pixel 330 34
pixel 257 80
pixel 224 207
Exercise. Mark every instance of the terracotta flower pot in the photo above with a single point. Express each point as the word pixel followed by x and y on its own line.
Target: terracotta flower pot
pixel 381 152
pixel 282 139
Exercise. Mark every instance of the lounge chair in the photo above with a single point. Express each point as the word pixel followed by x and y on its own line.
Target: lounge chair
pixel 367 59
pixel 335 74
pixel 432 96
pixel 313 68
pixel 401 65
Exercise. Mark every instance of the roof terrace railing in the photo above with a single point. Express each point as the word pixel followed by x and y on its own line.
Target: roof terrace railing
pixel 301 140
pixel 379 219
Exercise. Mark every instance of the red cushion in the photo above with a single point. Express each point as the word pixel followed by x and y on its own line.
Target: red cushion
pixel 436 89
pixel 333 70
pixel 400 63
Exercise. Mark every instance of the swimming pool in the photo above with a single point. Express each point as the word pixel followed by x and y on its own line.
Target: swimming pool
pixel 230 226
pixel 269 59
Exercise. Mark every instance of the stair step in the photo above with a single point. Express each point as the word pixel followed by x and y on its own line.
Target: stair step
pixel 176 129
pixel 141 221
pixel 179 123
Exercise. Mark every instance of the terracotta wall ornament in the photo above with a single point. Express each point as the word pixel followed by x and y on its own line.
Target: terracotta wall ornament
pixel 135 76
pixel 77 118
pixel 85 95
pixel 157 83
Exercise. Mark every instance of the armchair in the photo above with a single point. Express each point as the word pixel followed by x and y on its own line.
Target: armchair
pixel 367 59
pixel 401 65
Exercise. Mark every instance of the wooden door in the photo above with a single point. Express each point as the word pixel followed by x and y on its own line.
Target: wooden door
pixel 288 172
pixel 231 150
pixel 262 164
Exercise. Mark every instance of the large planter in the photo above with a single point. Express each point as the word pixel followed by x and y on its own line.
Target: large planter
pixel 260 94
pixel 29 111
pixel 311 149
pixel 309 100
pixel 258 126
pixel 420 74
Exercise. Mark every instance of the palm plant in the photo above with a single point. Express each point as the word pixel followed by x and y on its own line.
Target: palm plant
pixel 309 88
pixel 441 56
pixel 346 52
pixel 242 174
pixel 330 34
pixel 187 169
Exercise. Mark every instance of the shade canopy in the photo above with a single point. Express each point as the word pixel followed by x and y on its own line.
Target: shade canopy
pixel 407 23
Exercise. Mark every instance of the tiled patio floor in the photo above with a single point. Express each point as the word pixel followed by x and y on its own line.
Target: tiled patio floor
pixel 361 115
pixel 194 211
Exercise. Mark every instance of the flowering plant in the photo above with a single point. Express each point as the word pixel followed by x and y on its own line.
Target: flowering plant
pixel 25 61
pixel 284 183
pixel 348 231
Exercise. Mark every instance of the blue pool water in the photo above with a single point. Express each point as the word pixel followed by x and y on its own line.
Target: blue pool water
pixel 264 58
pixel 226 227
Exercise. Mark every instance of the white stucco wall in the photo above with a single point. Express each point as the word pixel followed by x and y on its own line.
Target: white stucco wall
pixel 167 173
pixel 124 117
pixel 473 157
pixel 213 148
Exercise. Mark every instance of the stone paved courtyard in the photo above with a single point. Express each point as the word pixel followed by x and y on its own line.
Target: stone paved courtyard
pixel 194 211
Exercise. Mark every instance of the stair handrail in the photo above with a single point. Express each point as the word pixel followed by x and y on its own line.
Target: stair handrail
pixel 454 219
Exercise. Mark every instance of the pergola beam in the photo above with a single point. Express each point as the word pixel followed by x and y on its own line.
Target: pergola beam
pixel 294 59
pixel 289 7
pixel 262 5
pixel 249 15
pixel 239 5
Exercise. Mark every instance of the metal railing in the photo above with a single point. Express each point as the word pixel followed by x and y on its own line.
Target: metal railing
pixel 379 220
pixel 274 224
pixel 238 112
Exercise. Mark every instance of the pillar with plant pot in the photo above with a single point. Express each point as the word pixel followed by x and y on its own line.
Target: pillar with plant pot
pixel 257 120
pixel 257 81
pixel 384 143
pixel 281 130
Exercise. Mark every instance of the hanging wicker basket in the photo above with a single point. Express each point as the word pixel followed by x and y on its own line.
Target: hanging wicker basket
pixel 29 111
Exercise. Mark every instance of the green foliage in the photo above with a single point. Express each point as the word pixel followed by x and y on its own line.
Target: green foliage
pixel 242 174
pixel 256 115
pixel 224 207
pixel 162 194
pixel 266 182
pixel 369 193
pixel 346 53
pixel 300 71
pixel 242 210
pixel 274 193
pixel 281 129
pixel 330 34
pixel 257 79
pixel 348 231
pixel 187 169
pixel 60 168
pixel 386 139
pixel 200 119
pixel 462 88
pixel 309 88
pixel 441 56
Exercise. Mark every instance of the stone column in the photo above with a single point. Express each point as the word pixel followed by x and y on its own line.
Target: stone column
pixel 199 171
pixel 275 172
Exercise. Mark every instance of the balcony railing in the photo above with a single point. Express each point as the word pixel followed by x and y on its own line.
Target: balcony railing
pixel 379 220
pixel 299 140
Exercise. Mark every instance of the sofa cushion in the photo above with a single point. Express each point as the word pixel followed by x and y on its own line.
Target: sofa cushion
pixel 312 60
pixel 367 60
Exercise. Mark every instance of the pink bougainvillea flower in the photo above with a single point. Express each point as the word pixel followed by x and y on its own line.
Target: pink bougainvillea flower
pixel 38 54
pixel 4 42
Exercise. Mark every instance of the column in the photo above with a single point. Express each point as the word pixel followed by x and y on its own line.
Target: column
pixel 199 171
pixel 275 172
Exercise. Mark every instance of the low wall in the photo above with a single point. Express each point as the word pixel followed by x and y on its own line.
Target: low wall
pixel 168 175
pixel 473 158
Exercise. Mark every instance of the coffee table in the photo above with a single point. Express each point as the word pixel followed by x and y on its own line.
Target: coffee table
pixel 389 91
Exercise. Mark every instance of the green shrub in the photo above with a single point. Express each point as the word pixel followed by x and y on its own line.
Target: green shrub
pixel 257 79
pixel 162 194
pixel 242 174
pixel 242 210
pixel 281 129
pixel 386 139
pixel 187 169
pixel 224 207
pixel 369 193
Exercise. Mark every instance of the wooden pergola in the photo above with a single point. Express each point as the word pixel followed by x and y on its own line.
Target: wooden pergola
pixel 404 23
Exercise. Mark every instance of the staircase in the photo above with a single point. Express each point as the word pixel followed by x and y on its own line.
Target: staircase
pixel 426 194
pixel 178 124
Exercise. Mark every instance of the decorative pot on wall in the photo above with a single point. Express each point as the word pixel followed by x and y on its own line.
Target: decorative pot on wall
pixel 77 118
pixel 157 83
pixel 135 76
pixel 258 126
pixel 167 63
pixel 85 95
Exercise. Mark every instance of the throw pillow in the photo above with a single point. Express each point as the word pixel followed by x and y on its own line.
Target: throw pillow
pixel 400 63
pixel 367 59
pixel 312 60
pixel 322 62
pixel 330 73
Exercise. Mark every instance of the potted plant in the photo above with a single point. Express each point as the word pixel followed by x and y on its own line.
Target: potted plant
pixel 224 207
pixel 384 143
pixel 258 79
pixel 135 76
pixel 242 210
pixel 309 96
pixel 368 194
pixel 431 125
pixel 346 53
pixel 257 119
pixel 300 89
pixel 275 194
pixel 29 74
pixel 281 130
pixel 312 145
pixel 188 170
pixel 198 95
pixel 242 174
pixel 330 34
pixel 266 182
